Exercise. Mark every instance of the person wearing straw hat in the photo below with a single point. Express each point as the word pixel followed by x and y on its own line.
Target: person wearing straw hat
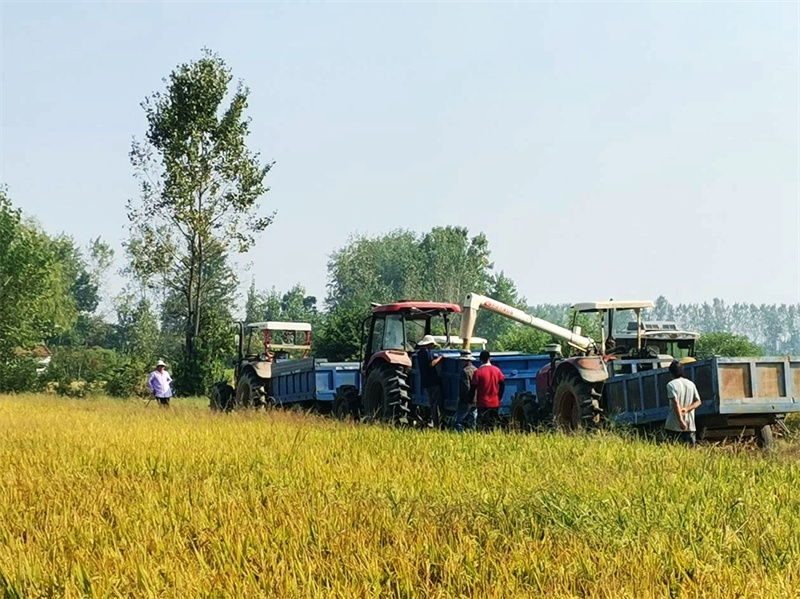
pixel 429 377
pixel 466 411
pixel 159 384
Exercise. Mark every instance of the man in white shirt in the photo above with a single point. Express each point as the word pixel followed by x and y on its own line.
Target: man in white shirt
pixel 684 400
pixel 159 384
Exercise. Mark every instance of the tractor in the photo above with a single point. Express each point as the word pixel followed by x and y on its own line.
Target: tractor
pixel 252 371
pixel 389 336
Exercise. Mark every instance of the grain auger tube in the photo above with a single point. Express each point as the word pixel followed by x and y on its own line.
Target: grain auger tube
pixel 474 302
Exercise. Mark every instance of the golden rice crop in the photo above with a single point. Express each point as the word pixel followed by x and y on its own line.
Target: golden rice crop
pixel 109 498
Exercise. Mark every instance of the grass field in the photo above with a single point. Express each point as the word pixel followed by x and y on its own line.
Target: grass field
pixel 109 498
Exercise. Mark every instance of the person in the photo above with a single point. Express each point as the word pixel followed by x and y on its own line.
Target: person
pixel 159 384
pixel 466 410
pixel 429 377
pixel 488 385
pixel 684 400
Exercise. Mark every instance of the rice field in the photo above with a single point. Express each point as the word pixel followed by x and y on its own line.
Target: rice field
pixel 105 498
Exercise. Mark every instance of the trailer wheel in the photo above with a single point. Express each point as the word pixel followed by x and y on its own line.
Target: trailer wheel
pixel 386 393
pixel 345 402
pixel 221 397
pixel 250 391
pixel 574 405
pixel 523 412
pixel 764 437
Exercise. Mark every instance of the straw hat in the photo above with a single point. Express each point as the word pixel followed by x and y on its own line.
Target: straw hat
pixel 161 363
pixel 426 340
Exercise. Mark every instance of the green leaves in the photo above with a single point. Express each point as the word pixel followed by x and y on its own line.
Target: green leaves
pixel 727 345
pixel 38 283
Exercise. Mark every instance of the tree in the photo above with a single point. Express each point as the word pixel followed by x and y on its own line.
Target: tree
pixel 199 190
pixel 214 348
pixel 493 326
pixel 524 339
pixel 455 264
pixel 727 345
pixel 35 289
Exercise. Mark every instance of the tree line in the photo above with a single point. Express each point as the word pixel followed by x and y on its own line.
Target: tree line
pixel 200 186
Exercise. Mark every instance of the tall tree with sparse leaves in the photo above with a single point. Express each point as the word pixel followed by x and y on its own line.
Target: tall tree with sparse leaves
pixel 200 186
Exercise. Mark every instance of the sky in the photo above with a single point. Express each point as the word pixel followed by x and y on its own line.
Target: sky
pixel 625 150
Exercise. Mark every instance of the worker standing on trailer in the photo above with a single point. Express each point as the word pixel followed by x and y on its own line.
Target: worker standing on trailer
pixel 684 399
pixel 429 377
pixel 159 383
pixel 488 385
pixel 466 411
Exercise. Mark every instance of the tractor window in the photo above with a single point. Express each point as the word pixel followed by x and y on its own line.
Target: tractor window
pixel 377 335
pixel 415 330
pixel 393 336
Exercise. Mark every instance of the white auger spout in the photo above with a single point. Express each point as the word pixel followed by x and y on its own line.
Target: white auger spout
pixel 474 302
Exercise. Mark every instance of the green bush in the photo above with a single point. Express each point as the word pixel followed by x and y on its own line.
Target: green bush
pixel 129 379
pixel 20 375
pixel 78 372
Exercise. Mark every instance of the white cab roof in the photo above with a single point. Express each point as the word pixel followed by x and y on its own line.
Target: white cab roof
pixel 274 325
pixel 614 305
pixel 457 340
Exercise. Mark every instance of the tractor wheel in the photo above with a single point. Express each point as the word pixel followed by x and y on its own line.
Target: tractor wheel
pixel 574 405
pixel 221 397
pixel 523 412
pixel 250 391
pixel 345 402
pixel 386 393
pixel 764 437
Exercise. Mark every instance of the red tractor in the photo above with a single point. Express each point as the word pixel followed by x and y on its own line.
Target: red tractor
pixel 388 338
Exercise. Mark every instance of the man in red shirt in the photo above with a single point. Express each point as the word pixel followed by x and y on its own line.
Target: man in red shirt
pixel 488 385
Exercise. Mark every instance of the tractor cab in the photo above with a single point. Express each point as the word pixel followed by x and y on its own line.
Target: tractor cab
pixel 662 337
pixel 261 344
pixel 634 344
pixel 607 318
pixel 395 329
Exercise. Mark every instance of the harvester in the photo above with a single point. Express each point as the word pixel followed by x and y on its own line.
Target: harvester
pixel 568 389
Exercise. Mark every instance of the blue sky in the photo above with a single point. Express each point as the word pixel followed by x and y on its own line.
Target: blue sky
pixel 620 150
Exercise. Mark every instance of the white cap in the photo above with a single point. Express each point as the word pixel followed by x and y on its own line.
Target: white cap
pixel 426 340
pixel 161 363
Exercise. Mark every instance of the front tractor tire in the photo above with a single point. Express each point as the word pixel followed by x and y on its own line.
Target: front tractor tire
pixel 251 391
pixel 386 393
pixel 575 403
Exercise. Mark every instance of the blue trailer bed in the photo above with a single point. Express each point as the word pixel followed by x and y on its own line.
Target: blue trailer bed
pixel 519 369
pixel 311 379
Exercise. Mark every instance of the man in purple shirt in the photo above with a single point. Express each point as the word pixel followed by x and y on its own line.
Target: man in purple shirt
pixel 159 384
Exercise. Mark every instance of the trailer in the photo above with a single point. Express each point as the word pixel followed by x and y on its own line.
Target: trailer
pixel 519 369
pixel 311 382
pixel 741 396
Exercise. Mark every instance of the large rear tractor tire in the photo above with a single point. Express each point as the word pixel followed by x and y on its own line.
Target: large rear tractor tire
pixel 575 404
pixel 251 391
pixel 221 397
pixel 386 393
pixel 524 412
pixel 346 403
